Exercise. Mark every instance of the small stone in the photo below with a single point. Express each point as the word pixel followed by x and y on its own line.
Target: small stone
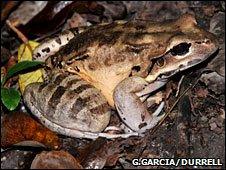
pixel 214 82
pixel 3 158
pixel 21 163
pixel 213 126
pixel 13 158
pixel 204 119
pixel 223 113
pixel 55 160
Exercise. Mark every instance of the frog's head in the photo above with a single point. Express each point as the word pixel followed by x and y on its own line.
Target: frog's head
pixel 191 46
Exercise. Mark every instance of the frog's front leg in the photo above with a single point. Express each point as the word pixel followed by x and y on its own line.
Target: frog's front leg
pixel 129 98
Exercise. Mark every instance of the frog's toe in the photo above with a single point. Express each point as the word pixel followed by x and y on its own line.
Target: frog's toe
pixel 112 128
pixel 156 118
pixel 158 110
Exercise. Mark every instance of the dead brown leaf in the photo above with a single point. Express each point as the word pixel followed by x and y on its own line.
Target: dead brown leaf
pixel 18 127
pixel 203 93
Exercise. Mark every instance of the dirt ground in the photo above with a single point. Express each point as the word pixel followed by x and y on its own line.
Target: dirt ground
pixel 194 128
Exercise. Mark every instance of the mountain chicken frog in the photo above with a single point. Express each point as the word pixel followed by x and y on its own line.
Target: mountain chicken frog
pixel 116 65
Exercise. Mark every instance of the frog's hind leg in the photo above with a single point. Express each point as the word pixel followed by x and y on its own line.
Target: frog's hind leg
pixel 52 45
pixel 70 102
pixel 156 118
pixel 70 106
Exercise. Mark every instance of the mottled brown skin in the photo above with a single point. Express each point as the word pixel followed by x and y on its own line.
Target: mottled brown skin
pixel 70 101
pixel 105 55
pixel 103 58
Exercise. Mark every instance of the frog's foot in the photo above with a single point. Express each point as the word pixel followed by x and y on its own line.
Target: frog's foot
pixel 84 134
pixel 150 88
pixel 120 129
pixel 123 135
pixel 128 132
pixel 93 135
pixel 155 99
pixel 156 118
pixel 129 97
pixel 112 128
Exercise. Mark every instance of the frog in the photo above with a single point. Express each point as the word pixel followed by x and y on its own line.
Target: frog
pixel 119 66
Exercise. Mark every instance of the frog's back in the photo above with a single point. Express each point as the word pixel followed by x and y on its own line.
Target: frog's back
pixel 104 55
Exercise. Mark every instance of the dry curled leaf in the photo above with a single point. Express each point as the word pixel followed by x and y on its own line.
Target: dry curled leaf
pixel 101 152
pixel 10 63
pixel 18 127
pixel 7 7
pixel 5 55
pixel 52 16
pixel 25 53
pixel 26 11
pixel 203 93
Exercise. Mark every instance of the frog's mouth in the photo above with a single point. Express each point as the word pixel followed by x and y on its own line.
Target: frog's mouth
pixel 184 67
pixel 181 68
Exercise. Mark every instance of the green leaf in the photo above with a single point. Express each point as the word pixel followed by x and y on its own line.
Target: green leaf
pixel 10 97
pixel 20 67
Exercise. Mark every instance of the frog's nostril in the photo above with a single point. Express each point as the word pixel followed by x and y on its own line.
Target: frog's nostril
pixel 181 66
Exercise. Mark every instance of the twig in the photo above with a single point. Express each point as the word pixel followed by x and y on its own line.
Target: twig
pixel 175 105
pixel 20 34
pixel 179 85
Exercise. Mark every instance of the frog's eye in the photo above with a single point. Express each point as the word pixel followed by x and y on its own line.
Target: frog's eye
pixel 161 62
pixel 180 49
